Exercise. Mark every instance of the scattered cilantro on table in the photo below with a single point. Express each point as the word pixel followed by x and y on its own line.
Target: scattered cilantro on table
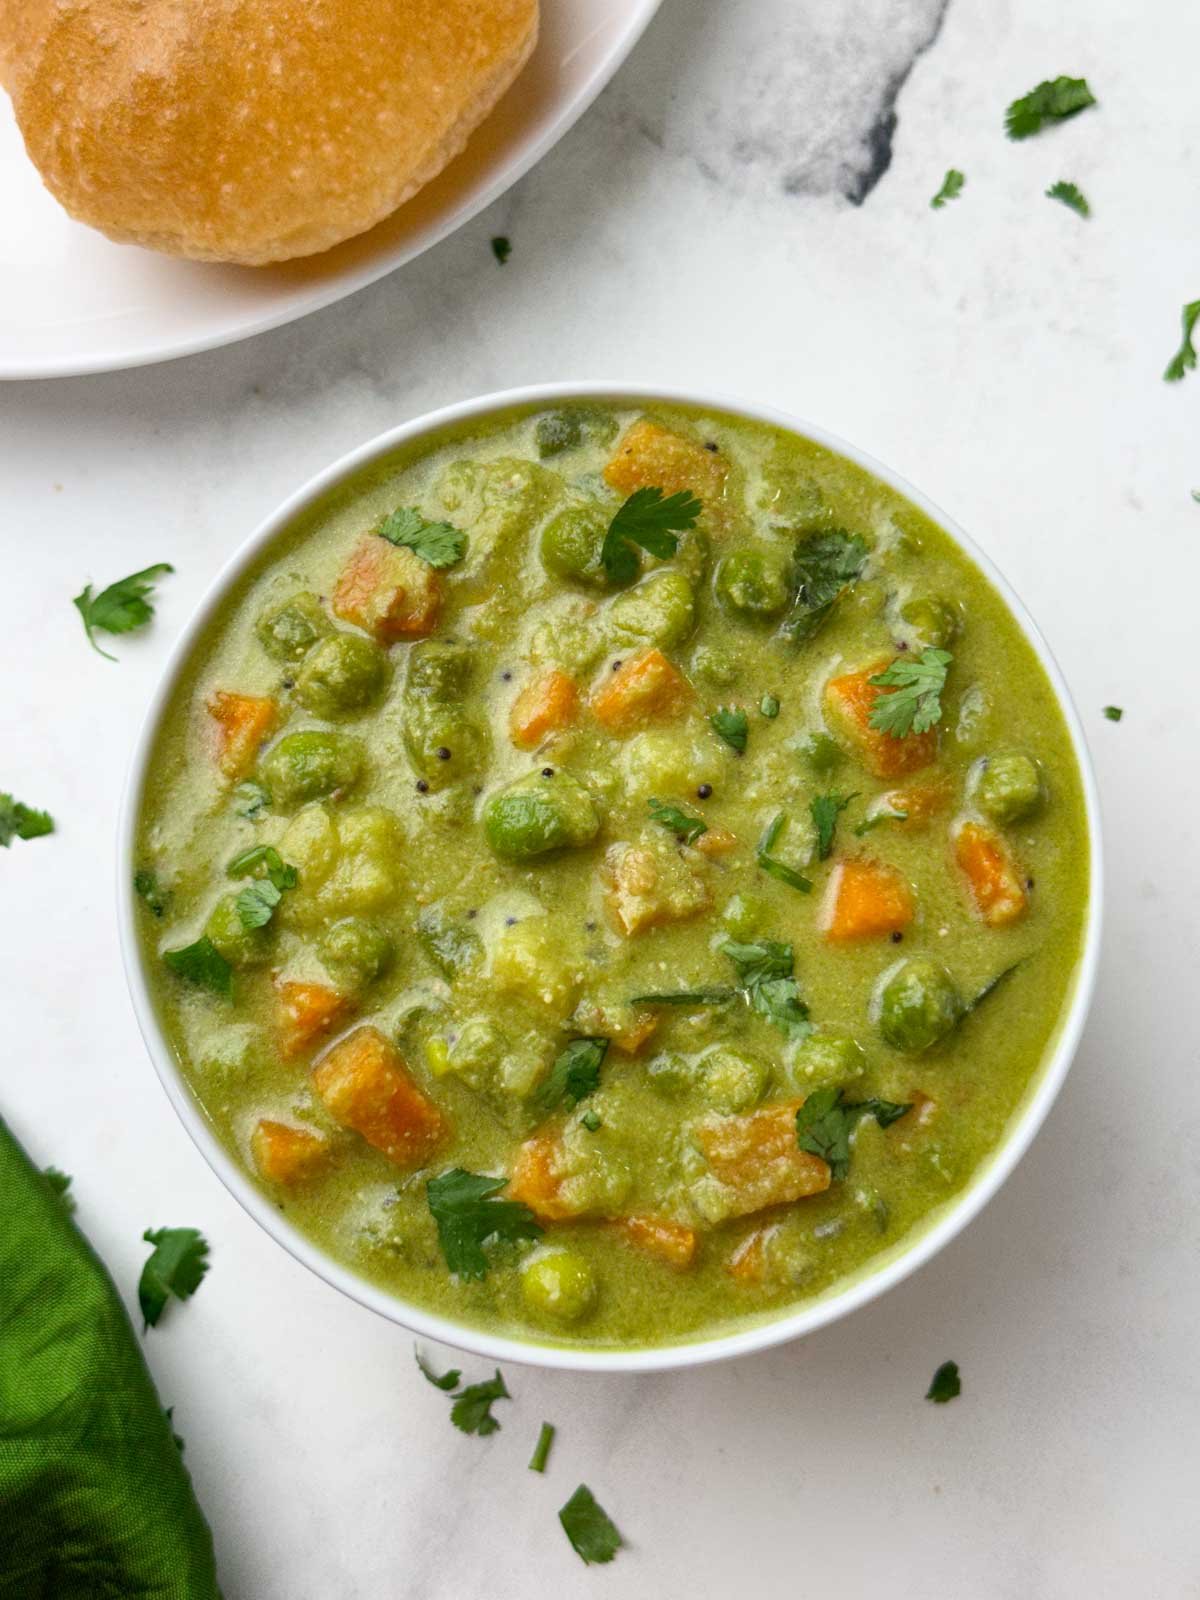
pixel 122 607
pixel 915 704
pixel 541 1453
pixel 176 1266
pixel 19 821
pixel 501 248
pixel 1114 713
pixel 650 520
pixel 448 1380
pixel 1071 195
pixel 946 1384
pixel 468 1213
pixel 472 1408
pixel 1052 101
pixel 952 187
pixel 1184 358
pixel 440 544
pixel 592 1532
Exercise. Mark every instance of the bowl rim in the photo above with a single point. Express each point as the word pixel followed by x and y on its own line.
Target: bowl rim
pixel 836 1302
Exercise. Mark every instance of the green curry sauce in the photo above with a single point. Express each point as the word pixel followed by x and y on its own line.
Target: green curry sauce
pixel 480 929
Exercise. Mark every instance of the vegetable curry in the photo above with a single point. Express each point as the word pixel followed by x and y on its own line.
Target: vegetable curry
pixel 611 875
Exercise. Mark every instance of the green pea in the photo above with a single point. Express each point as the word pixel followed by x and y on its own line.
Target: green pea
pixel 548 810
pixel 451 945
pixel 355 952
pixel 241 946
pixel 305 766
pixel 732 1080
pixel 439 668
pixel 827 1058
pixel 715 665
pixel 559 1284
pixel 660 611
pixel 743 915
pixel 821 752
pixel 754 583
pixel 558 431
pixel 289 630
pixel 345 674
pixel 934 620
pixel 670 1075
pixel 571 543
pixel 444 743
pixel 1008 787
pixel 918 1005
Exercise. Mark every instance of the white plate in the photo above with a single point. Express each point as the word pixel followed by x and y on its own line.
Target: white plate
pixel 72 302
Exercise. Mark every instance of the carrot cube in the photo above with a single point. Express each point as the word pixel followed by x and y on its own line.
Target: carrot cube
pixel 640 690
pixel 756 1158
pixel 304 1012
pixel 541 708
pixel 537 1178
pixel 865 899
pixel 993 878
pixel 284 1154
pixel 716 842
pixel 651 456
pixel 366 1086
pixel 674 1242
pixel 919 801
pixel 243 722
pixel 849 701
pixel 388 591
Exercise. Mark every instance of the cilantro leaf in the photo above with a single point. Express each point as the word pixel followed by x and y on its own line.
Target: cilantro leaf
pixel 541 1453
pixel 765 968
pixel 650 520
pixel 771 865
pixel 1114 713
pixel 915 705
pixel 1052 101
pixel 946 1385
pixel 256 904
pixel 591 1530
pixel 146 887
pixel 684 827
pixel 120 608
pixel 202 964
pixel 825 810
pixel 448 1380
pixel 252 798
pixel 1184 358
pixel 472 1409
pixel 467 1215
pixel 825 1122
pixel 281 873
pixel 574 1075
pixel 823 565
pixel 60 1182
pixel 18 821
pixel 176 1266
pixel 1070 195
pixel 686 997
pixel 731 724
pixel 501 248
pixel 757 962
pixel 438 543
pixel 952 187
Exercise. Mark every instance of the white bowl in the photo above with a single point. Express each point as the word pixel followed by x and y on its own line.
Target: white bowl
pixel 893 1266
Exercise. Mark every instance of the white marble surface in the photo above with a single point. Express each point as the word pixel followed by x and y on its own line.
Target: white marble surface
pixel 1005 356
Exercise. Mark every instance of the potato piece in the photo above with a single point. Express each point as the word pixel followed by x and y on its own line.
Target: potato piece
pixel 304 1012
pixel 647 688
pixel 651 456
pixel 284 1154
pixel 649 885
pixel 244 722
pixel 754 1162
pixel 537 959
pixel 673 1242
pixel 366 1086
pixel 716 842
pixel 388 591
pixel 865 900
pixel 848 701
pixel 542 707
pixel 626 1027
pixel 995 882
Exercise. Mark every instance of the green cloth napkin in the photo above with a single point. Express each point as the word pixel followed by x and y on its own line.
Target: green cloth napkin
pixel 95 1502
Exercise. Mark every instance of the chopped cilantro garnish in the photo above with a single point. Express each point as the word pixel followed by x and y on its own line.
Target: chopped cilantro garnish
pixel 915 705
pixel 256 904
pixel 202 964
pixel 825 1122
pixel 280 872
pixel 952 187
pixel 771 865
pixel 650 520
pixel 946 1385
pixel 1114 713
pixel 468 1215
pixel 1070 195
pixel 60 1182
pixel 501 248
pixel 1184 358
pixel 1052 101
pixel 824 564
pixel 541 1453
pixel 769 706
pixel 731 724
pixel 438 543
pixel 472 1409
pixel 120 608
pixel 18 821
pixel 252 798
pixel 825 810
pixel 574 1075
pixel 447 1381
pixel 146 887
pixel 176 1266
pixel 683 826
pixel 592 1532
pixel 765 968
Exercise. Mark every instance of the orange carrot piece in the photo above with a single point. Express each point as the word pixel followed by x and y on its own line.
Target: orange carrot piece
pixel 651 456
pixel 537 1178
pixel 865 900
pixel 640 690
pixel 716 842
pixel 674 1242
pixel 919 801
pixel 995 881
pixel 848 701
pixel 366 1085
pixel 243 722
pixel 284 1154
pixel 756 1155
pixel 304 1012
pixel 542 707
pixel 747 1262
pixel 388 591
